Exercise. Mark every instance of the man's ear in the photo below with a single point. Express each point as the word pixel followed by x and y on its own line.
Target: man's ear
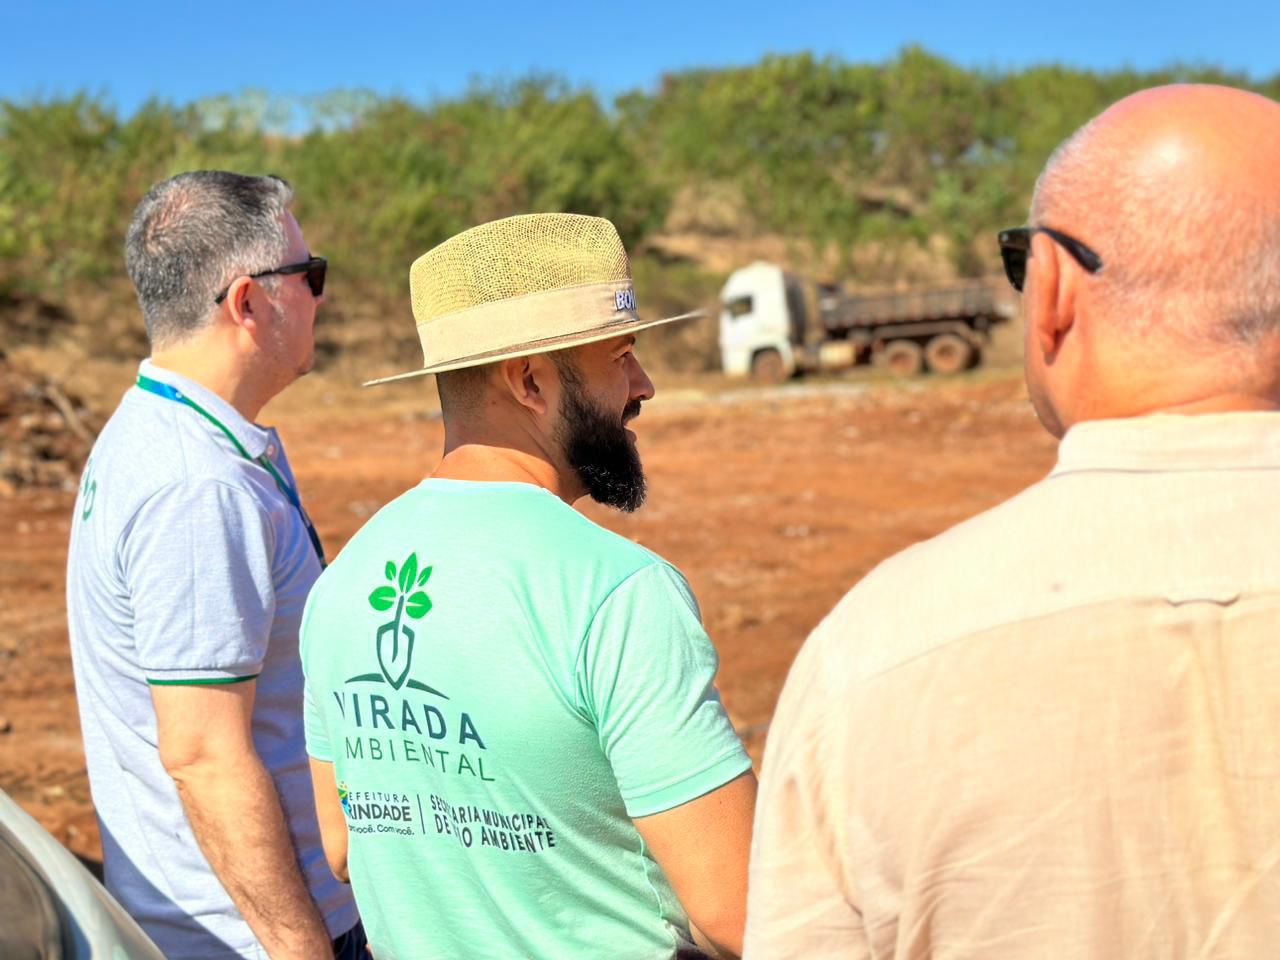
pixel 239 304
pixel 1050 294
pixel 526 379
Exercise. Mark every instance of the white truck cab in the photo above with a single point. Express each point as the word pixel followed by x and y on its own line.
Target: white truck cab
pixel 755 323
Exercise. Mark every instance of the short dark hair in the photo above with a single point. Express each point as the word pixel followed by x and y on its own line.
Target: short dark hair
pixel 461 390
pixel 193 234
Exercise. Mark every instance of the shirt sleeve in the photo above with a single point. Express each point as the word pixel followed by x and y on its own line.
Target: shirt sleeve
pixel 197 561
pixel 313 724
pixel 797 905
pixel 647 678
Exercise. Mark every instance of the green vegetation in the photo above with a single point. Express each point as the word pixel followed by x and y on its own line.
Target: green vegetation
pixel 836 158
pixel 846 154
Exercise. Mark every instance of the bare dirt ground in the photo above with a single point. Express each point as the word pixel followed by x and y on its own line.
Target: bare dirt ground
pixel 772 502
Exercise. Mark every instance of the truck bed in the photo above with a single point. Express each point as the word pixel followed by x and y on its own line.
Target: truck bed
pixel 844 311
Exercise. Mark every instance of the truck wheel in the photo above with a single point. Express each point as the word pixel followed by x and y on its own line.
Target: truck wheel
pixel 948 353
pixel 902 358
pixel 767 367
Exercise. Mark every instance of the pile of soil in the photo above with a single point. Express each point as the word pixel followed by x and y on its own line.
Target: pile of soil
pixel 45 433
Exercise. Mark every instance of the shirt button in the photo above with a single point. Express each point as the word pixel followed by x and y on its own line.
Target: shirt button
pixel 271 449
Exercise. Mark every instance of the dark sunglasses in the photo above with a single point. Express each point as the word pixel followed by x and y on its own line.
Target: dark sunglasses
pixel 314 268
pixel 1015 248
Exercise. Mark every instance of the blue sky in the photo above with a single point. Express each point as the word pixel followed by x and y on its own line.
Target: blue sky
pixel 132 49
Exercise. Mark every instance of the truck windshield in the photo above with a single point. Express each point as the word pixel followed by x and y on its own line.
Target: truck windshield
pixel 738 306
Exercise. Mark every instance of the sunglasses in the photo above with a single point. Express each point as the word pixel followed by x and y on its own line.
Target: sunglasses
pixel 314 268
pixel 1015 248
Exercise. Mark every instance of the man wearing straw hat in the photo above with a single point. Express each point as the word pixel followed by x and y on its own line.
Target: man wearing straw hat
pixel 517 743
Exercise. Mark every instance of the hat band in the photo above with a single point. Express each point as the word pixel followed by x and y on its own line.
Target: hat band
pixel 508 324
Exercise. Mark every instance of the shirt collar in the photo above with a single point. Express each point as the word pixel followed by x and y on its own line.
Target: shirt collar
pixel 251 436
pixel 1163 443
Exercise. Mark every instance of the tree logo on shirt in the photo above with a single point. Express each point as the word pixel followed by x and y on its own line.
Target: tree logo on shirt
pixel 394 725
pixel 395 639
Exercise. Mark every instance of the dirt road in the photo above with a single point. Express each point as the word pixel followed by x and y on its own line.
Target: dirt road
pixel 772 503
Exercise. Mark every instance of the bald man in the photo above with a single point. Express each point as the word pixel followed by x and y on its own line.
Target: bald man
pixel 1054 731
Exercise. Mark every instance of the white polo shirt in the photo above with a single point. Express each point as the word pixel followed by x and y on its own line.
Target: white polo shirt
pixel 187 565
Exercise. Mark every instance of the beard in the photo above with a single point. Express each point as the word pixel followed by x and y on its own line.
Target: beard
pixel 599 449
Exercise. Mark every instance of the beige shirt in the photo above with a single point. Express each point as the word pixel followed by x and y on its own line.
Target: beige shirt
pixel 1053 731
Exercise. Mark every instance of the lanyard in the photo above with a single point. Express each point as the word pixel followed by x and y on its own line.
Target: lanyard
pixel 172 393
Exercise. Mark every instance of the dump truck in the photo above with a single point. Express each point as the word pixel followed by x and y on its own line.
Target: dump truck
pixel 774 324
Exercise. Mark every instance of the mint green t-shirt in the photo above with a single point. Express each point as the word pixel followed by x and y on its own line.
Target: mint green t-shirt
pixel 502 685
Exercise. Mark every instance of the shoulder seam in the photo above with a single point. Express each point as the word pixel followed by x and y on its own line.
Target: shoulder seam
pixel 654 560
pixel 166 487
pixel 1084 603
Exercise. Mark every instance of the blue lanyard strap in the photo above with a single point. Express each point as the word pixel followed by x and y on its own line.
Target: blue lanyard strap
pixel 176 395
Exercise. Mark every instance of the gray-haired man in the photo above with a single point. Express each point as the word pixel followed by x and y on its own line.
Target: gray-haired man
pixel 191 557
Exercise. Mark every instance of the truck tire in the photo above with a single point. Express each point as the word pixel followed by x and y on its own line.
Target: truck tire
pixel 767 367
pixel 902 358
pixel 948 353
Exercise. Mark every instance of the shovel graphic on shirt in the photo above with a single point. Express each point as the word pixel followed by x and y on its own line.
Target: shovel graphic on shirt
pixel 395 637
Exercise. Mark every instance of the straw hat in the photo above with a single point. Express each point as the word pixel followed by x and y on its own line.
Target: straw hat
pixel 523 285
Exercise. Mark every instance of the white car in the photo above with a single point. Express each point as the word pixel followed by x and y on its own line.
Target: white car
pixel 51 907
